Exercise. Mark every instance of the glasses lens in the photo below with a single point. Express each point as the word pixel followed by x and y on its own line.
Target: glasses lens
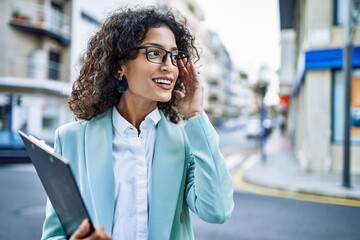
pixel 180 59
pixel 155 54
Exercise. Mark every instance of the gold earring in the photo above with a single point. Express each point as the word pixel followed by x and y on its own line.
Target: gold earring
pixel 121 77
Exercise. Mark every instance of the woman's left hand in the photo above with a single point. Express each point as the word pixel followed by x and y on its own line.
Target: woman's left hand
pixel 191 103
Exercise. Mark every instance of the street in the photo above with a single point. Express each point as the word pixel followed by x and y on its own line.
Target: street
pixel 258 217
pixel 22 202
pixel 255 217
pixel 235 141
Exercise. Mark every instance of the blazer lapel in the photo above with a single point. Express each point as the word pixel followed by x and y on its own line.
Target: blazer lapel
pixel 98 153
pixel 167 177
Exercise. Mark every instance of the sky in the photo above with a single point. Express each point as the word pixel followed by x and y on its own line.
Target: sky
pixel 249 29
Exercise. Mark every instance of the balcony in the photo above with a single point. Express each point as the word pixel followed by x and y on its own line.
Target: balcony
pixel 35 74
pixel 42 20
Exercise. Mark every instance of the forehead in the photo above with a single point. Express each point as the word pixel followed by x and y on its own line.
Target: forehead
pixel 162 36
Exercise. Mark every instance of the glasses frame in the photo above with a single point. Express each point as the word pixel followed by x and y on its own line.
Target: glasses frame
pixel 146 47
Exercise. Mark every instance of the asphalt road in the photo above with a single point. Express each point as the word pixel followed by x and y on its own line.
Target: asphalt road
pixel 235 141
pixel 22 202
pixel 255 217
pixel 259 217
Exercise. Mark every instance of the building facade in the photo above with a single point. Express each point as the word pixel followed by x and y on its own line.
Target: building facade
pixel 42 41
pixel 34 65
pixel 312 41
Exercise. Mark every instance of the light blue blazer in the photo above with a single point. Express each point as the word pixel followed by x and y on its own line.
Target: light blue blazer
pixel 188 172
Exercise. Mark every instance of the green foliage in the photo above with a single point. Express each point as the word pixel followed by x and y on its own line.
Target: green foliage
pixel 260 87
pixel 16 13
pixel 243 75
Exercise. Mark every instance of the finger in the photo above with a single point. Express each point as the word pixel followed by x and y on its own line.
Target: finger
pixel 184 72
pixel 196 83
pixel 182 62
pixel 100 232
pixel 186 79
pixel 193 73
pixel 189 85
pixel 179 95
pixel 82 230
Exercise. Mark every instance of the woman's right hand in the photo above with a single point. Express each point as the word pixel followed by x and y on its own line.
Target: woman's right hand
pixel 83 230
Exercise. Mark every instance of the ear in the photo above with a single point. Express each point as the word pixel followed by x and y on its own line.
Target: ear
pixel 122 68
pixel 120 71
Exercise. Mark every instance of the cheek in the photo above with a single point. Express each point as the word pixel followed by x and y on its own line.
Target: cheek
pixel 136 76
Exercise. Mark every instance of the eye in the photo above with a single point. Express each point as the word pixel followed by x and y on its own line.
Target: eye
pixel 153 52
pixel 175 56
pixel 179 56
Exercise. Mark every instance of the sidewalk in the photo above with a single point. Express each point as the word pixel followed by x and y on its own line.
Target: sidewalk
pixel 282 171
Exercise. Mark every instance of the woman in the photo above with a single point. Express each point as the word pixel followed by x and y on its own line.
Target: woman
pixel 137 169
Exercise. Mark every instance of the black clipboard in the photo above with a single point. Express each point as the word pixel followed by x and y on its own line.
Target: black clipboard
pixel 59 183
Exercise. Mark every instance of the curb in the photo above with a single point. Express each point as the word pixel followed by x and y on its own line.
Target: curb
pixel 244 181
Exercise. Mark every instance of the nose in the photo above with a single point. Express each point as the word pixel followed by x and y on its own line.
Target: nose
pixel 166 63
pixel 165 59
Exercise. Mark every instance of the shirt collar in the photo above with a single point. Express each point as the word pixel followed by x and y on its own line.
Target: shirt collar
pixel 153 116
pixel 121 124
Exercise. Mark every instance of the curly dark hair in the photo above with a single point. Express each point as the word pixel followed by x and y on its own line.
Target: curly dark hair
pixel 97 87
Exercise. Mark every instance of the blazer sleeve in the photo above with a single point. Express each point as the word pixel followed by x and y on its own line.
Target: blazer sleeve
pixel 209 188
pixel 52 228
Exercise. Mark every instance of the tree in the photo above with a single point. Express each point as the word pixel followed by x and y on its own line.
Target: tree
pixel 259 88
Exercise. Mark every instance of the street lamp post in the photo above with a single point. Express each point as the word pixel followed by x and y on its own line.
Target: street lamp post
pixel 263 132
pixel 347 57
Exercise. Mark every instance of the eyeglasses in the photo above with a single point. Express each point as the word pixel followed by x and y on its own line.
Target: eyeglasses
pixel 158 55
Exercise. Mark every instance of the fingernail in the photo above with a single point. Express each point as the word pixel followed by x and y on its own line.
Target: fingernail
pixel 84 222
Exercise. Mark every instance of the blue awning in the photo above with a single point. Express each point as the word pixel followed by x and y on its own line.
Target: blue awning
pixel 322 59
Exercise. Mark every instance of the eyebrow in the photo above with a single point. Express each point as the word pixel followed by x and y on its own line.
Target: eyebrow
pixel 159 45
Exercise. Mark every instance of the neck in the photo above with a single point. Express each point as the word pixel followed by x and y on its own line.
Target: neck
pixel 133 110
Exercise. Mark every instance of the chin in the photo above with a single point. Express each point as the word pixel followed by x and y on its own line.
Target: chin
pixel 164 99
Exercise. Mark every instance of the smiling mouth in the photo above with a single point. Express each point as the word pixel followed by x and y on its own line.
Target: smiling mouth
pixel 162 81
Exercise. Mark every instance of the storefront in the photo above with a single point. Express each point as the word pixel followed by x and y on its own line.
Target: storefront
pixel 319 91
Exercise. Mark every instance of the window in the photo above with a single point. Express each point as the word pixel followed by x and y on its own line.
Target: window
pixel 54 65
pixel 5 111
pixel 50 118
pixel 89 19
pixel 13 115
pixel 213 99
pixel 56 16
pixel 339 11
pixel 338 104
pixel 213 82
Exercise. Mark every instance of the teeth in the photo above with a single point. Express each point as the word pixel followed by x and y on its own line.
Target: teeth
pixel 163 81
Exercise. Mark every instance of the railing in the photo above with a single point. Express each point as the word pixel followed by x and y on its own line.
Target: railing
pixel 21 67
pixel 41 17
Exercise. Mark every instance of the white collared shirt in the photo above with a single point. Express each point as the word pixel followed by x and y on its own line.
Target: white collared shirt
pixel 132 156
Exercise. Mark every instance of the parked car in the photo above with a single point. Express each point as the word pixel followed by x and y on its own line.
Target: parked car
pixel 234 124
pixel 12 148
pixel 253 128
